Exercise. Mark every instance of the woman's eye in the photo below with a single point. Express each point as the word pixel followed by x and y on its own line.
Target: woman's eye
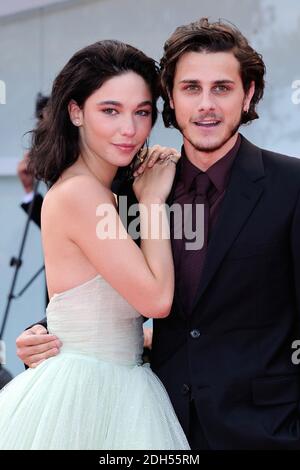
pixel 110 111
pixel 143 112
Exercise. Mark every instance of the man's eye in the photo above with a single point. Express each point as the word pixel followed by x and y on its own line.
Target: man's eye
pixel 110 111
pixel 221 88
pixel 192 88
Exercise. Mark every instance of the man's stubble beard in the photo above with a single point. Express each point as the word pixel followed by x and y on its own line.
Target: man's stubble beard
pixel 207 149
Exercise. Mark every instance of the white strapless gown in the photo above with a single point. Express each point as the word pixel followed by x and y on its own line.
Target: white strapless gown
pixel 95 394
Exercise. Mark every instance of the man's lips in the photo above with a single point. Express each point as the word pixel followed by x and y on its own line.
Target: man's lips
pixel 207 123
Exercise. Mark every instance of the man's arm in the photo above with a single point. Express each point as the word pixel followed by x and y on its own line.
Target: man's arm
pixel 35 345
pixel 43 322
pixel 27 181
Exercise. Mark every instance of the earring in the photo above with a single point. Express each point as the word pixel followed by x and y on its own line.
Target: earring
pixel 140 157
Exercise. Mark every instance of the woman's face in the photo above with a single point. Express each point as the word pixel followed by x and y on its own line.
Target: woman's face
pixel 116 119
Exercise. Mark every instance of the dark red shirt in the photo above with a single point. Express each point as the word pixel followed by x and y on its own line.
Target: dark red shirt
pixel 219 175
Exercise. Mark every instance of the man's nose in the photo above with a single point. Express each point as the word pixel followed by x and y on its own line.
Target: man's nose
pixel 206 101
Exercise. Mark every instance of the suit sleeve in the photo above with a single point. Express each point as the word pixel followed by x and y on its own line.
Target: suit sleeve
pixel 36 211
pixel 43 322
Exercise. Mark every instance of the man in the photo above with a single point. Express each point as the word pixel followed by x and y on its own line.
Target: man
pixel 27 181
pixel 31 195
pixel 224 352
pixel 24 174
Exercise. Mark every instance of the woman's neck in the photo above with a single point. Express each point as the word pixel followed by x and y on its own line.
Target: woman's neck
pixel 103 171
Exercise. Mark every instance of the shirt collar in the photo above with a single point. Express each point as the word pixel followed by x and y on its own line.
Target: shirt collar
pixel 218 173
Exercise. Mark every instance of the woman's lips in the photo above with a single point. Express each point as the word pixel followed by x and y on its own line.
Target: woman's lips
pixel 125 147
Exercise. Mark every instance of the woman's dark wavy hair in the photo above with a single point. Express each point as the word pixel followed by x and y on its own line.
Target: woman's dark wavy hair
pixel 202 36
pixel 55 141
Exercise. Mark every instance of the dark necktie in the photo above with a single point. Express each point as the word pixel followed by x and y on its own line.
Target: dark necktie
pixel 193 257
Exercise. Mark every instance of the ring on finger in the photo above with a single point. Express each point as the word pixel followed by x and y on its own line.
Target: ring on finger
pixel 172 158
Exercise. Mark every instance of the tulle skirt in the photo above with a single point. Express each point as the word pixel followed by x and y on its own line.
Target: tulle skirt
pixel 75 401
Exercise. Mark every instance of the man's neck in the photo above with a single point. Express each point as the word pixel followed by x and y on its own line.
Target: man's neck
pixel 204 160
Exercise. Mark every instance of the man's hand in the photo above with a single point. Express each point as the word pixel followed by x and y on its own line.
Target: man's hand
pixel 24 175
pixel 35 345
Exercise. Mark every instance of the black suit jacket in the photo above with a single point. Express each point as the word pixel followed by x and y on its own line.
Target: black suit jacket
pixel 36 218
pixel 36 210
pixel 232 355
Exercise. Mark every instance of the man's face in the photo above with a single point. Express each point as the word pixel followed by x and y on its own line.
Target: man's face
pixel 208 99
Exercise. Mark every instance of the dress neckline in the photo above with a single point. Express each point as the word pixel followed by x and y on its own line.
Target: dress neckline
pixel 67 291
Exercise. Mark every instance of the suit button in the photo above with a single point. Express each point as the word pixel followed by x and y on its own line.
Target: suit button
pixel 185 389
pixel 195 334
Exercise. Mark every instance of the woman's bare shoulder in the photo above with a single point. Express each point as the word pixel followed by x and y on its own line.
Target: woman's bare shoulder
pixel 77 189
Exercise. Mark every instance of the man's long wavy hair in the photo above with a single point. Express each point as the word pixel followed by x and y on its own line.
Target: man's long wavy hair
pixel 202 36
pixel 55 142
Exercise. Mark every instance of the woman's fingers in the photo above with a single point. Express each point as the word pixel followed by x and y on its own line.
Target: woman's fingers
pixel 142 158
pixel 160 153
pixel 155 153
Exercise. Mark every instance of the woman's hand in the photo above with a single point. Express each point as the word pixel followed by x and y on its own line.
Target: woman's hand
pixel 154 183
pixel 154 154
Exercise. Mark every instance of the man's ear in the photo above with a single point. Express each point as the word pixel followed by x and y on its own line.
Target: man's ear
pixel 170 100
pixel 248 97
pixel 75 113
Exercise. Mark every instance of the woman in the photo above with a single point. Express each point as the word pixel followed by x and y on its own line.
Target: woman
pixel 95 394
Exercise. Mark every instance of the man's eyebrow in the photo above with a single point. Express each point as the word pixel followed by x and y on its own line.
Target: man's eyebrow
pixel 197 82
pixel 225 80
pixel 190 80
pixel 117 103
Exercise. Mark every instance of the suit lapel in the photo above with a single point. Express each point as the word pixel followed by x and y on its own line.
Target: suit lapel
pixel 243 193
pixel 169 202
pixel 170 198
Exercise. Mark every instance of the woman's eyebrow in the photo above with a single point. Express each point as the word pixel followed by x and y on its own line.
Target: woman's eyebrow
pixel 117 103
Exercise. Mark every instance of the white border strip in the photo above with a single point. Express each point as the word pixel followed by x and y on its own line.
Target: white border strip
pixel 8 166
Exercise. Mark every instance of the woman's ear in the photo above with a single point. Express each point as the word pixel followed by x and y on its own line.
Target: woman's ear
pixel 75 113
